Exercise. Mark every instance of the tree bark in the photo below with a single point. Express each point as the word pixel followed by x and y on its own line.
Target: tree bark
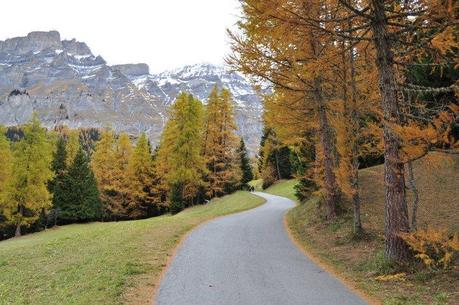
pixel 351 113
pixel 18 230
pixel 276 156
pixel 332 192
pixel 355 149
pixel 18 224
pixel 396 211
pixel 414 189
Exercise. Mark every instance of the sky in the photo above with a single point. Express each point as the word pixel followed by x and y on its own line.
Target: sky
pixel 165 34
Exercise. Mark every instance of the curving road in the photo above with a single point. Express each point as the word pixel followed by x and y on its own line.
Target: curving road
pixel 248 259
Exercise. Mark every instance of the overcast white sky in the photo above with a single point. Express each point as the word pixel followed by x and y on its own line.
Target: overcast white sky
pixel 164 34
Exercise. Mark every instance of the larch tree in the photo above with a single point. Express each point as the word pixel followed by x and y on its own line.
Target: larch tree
pixel 104 166
pixel 287 54
pixel 27 194
pixel 220 144
pixel 182 142
pixel 73 146
pixel 162 159
pixel 123 153
pixel 397 32
pixel 143 182
pixel 6 161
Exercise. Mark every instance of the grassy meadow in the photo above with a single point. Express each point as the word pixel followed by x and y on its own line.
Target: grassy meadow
pixel 101 263
pixel 361 261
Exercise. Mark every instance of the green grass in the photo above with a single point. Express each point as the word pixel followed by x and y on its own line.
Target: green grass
pixel 101 263
pixel 361 260
pixel 284 188
pixel 257 184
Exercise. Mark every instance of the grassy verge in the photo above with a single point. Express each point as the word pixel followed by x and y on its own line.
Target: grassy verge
pixel 359 262
pixel 284 188
pixel 257 184
pixel 101 263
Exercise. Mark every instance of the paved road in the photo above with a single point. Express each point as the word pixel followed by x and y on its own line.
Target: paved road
pixel 248 259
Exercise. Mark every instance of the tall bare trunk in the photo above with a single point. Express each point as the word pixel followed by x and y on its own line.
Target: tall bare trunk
pixel 351 114
pixel 332 192
pixel 355 148
pixel 414 189
pixel 396 211
pixel 276 156
pixel 18 230
pixel 18 224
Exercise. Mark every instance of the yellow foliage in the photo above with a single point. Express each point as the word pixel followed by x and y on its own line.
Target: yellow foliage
pixel 434 247
pixel 392 277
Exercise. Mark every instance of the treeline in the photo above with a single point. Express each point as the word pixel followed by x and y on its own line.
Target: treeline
pixel 353 83
pixel 64 176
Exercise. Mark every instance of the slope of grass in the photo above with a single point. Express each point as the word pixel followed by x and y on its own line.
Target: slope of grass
pixel 360 261
pixel 101 263
pixel 284 188
pixel 257 184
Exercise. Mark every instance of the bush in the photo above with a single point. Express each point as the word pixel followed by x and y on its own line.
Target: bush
pixel 434 247
pixel 380 264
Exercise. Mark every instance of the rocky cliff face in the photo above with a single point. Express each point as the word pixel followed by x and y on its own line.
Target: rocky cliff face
pixel 67 85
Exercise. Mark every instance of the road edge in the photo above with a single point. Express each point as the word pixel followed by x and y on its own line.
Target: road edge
pixel 182 239
pixel 348 283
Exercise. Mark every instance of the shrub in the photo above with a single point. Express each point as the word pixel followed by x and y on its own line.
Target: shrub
pixel 380 264
pixel 434 247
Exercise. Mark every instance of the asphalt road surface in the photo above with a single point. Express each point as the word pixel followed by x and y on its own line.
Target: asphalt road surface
pixel 248 259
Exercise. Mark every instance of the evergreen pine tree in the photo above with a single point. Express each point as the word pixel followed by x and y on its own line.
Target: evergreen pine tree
pixel 246 168
pixel 59 166
pixel 78 196
pixel 176 199
pixel 27 194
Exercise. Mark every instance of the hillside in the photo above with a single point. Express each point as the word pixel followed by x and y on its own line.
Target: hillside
pixel 101 263
pixel 360 261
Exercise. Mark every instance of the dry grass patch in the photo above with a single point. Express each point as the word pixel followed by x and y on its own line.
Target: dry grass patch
pixel 361 261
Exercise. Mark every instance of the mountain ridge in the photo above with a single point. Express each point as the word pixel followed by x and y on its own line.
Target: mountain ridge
pixel 66 84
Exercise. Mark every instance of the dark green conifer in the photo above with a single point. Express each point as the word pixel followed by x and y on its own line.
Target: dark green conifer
pixel 246 168
pixel 176 200
pixel 78 197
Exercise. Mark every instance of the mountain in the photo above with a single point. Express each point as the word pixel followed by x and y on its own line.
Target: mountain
pixel 199 80
pixel 67 85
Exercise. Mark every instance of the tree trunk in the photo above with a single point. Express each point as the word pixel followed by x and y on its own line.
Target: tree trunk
pixel 332 192
pixel 350 113
pixel 414 189
pixel 396 211
pixel 358 229
pixel 18 230
pixel 276 156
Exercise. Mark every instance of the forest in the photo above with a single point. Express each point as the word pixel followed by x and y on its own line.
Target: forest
pixel 65 176
pixel 359 158
pixel 354 83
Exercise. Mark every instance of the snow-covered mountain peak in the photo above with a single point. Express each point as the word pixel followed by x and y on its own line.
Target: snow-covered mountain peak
pixel 67 84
